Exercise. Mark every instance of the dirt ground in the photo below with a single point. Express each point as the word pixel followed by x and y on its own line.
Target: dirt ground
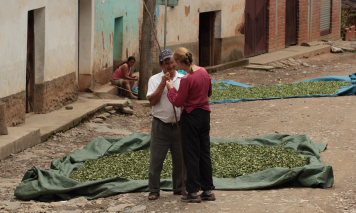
pixel 326 120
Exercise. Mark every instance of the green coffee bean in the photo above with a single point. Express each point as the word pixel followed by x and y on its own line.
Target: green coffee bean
pixel 222 91
pixel 229 160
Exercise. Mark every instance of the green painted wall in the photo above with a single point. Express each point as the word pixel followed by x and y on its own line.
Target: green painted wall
pixel 118 38
pixel 106 11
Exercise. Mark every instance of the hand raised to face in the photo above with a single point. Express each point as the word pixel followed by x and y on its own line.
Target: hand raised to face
pixel 166 77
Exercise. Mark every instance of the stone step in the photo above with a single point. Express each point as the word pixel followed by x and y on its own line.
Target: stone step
pixel 106 88
pixel 18 139
pixel 228 65
pixel 260 67
pixel 39 127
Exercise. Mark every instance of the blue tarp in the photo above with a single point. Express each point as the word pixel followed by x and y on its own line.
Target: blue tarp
pixel 350 90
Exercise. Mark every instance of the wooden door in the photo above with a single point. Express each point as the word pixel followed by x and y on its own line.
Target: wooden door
pixel 291 22
pixel 206 39
pixel 256 27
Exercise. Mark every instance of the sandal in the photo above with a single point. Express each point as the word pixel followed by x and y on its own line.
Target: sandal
pixel 153 195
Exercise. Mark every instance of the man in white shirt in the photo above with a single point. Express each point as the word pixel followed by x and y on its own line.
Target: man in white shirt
pixel 165 127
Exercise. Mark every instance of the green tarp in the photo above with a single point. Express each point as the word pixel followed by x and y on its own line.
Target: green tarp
pixel 55 184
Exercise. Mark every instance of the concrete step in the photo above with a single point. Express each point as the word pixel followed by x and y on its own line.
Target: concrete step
pixel 18 139
pixel 228 65
pixel 39 127
pixel 144 103
pixel 259 67
pixel 106 88
pixel 290 52
pixel 62 119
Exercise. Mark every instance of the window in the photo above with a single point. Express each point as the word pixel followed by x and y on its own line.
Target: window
pixel 170 3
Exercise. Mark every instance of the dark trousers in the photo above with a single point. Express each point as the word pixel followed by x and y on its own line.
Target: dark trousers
pixel 195 129
pixel 165 137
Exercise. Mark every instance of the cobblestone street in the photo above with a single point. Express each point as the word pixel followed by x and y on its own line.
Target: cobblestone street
pixel 327 120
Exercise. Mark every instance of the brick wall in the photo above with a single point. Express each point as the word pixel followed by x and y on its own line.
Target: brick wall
pixel 336 19
pixel 303 30
pixel 308 26
pixel 272 31
pixel 276 35
pixel 315 24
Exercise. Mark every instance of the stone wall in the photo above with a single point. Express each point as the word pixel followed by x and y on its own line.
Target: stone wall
pixel 15 108
pixel 56 93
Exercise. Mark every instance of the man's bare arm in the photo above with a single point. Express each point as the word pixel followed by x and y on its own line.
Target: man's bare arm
pixel 156 96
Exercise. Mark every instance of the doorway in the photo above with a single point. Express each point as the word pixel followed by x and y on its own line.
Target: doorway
pixel 85 43
pixel 35 59
pixel 256 27
pixel 30 62
pixel 206 38
pixel 291 22
pixel 118 39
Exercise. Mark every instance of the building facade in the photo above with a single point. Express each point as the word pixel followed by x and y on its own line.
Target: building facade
pixel 38 60
pixel 215 31
pixel 272 25
pixel 211 29
pixel 108 34
pixel 50 48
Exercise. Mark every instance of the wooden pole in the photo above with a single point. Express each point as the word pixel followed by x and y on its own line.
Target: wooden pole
pixel 146 46
pixel 165 24
pixel 3 128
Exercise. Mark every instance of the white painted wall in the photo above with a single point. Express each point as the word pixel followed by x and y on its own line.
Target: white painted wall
pixel 61 43
pixel 187 27
pixel 86 32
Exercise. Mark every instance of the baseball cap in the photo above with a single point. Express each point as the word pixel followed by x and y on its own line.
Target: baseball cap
pixel 167 53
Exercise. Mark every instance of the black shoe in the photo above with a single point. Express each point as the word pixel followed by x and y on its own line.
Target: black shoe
pixel 191 198
pixel 207 196
pixel 180 193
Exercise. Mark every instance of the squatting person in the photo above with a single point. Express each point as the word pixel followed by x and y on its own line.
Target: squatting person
pixel 122 76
